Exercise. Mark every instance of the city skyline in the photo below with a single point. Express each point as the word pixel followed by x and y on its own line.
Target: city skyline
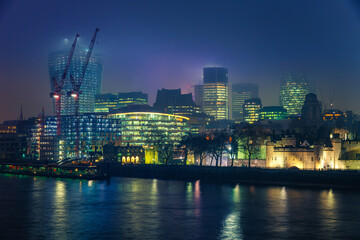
pixel 141 52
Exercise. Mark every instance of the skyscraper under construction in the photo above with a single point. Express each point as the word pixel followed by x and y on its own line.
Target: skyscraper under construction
pixel 90 86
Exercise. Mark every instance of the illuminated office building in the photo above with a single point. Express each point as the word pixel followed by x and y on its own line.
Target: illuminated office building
pixel 142 128
pixel 215 92
pixel 105 102
pixel 95 130
pixel 333 115
pixel 131 98
pixel 273 113
pixel 91 84
pixel 293 90
pixel 240 93
pixel 252 109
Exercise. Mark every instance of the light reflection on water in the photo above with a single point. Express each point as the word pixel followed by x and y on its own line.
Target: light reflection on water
pixel 126 208
pixel 231 227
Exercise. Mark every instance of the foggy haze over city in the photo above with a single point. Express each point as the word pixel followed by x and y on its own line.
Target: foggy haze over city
pixel 149 45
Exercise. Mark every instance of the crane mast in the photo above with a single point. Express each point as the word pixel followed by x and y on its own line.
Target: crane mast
pixel 58 85
pixel 75 93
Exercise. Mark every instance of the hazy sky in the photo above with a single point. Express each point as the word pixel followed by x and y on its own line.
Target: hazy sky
pixel 148 45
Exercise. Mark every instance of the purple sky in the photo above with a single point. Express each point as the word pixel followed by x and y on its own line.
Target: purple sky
pixel 149 45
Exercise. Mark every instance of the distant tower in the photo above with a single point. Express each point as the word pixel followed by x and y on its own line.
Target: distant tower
pixel 215 92
pixel 311 110
pixel 90 86
pixel 21 113
pixel 293 90
pixel 240 93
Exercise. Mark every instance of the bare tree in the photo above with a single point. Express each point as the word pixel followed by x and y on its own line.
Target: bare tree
pixel 186 146
pixel 163 144
pixel 197 145
pixel 217 146
pixel 233 146
pixel 250 138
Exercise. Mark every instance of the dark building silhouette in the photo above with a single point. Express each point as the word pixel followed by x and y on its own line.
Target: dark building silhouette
pixel 199 95
pixel 172 101
pixel 311 111
pixel 215 75
pixel 14 139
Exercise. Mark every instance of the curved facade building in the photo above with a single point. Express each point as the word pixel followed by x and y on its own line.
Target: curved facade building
pixel 293 90
pixel 143 128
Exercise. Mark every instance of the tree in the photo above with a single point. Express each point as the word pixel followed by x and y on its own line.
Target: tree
pixel 217 146
pixel 233 147
pixel 250 138
pixel 186 146
pixel 163 144
pixel 197 145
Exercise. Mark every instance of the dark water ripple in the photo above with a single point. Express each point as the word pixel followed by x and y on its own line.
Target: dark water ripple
pixel 128 208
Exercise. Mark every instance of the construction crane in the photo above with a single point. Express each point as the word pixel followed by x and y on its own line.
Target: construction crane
pixel 75 93
pixel 58 85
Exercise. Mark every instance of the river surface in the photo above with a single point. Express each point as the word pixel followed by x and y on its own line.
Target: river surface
pixel 130 208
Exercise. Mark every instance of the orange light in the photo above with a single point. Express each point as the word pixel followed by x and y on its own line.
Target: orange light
pixel 74 95
pixel 56 96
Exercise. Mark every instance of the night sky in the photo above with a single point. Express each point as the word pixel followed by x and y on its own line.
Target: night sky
pixel 148 45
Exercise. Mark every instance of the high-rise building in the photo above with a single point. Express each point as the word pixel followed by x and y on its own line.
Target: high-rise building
pixel 273 113
pixel 215 92
pixel 293 90
pixel 91 84
pixel 252 109
pixel 240 93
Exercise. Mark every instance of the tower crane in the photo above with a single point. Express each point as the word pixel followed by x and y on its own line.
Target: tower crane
pixel 75 93
pixel 58 85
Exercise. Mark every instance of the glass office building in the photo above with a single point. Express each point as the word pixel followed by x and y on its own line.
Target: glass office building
pixel 215 92
pixel 95 130
pixel 240 93
pixel 105 102
pixel 293 90
pixel 142 128
pixel 252 109
pixel 273 113
pixel 91 84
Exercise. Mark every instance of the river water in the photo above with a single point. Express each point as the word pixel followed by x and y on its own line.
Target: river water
pixel 130 208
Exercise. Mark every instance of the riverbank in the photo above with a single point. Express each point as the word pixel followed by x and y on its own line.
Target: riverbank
pixel 259 176
pixel 44 170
